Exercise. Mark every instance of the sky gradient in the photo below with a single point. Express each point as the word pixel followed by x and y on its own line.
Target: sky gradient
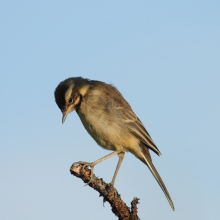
pixel 163 56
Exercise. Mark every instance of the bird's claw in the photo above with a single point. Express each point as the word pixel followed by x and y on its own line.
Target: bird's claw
pixel 85 164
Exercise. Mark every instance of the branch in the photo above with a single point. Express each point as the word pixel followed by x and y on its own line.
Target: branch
pixel 108 192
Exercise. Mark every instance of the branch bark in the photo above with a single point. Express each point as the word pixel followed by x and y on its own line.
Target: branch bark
pixel 109 194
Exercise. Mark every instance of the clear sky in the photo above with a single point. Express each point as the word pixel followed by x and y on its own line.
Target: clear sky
pixel 163 56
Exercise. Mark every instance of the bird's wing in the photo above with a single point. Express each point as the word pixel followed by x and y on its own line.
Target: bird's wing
pixel 136 127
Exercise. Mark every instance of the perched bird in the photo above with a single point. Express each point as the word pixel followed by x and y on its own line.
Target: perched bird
pixel 109 119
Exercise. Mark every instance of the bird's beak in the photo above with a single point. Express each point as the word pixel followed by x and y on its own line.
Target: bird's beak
pixel 64 117
pixel 66 111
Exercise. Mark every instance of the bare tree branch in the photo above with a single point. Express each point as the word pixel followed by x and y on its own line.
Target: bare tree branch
pixel 109 193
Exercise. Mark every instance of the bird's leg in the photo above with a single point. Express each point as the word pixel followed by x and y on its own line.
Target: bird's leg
pixel 121 157
pixel 94 163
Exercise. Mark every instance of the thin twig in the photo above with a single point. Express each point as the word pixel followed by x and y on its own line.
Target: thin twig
pixel 109 193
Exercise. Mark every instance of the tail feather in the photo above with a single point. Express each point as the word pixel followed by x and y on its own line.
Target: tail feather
pixel 147 160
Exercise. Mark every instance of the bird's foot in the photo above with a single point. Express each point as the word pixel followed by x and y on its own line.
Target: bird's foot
pixel 86 164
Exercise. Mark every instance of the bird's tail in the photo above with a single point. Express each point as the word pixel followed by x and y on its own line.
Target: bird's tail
pixel 147 160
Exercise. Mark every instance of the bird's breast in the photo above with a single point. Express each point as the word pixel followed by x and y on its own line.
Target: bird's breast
pixel 104 130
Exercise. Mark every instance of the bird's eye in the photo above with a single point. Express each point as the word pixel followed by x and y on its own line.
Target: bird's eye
pixel 70 100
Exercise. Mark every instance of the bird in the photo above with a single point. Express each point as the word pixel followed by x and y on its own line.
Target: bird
pixel 110 120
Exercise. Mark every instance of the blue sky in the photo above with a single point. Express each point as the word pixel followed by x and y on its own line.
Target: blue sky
pixel 163 56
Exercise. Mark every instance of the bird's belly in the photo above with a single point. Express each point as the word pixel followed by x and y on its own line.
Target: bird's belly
pixel 107 134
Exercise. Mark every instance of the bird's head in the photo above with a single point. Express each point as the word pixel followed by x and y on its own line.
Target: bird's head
pixel 69 93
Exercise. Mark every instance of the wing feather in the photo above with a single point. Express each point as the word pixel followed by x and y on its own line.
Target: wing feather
pixel 136 128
